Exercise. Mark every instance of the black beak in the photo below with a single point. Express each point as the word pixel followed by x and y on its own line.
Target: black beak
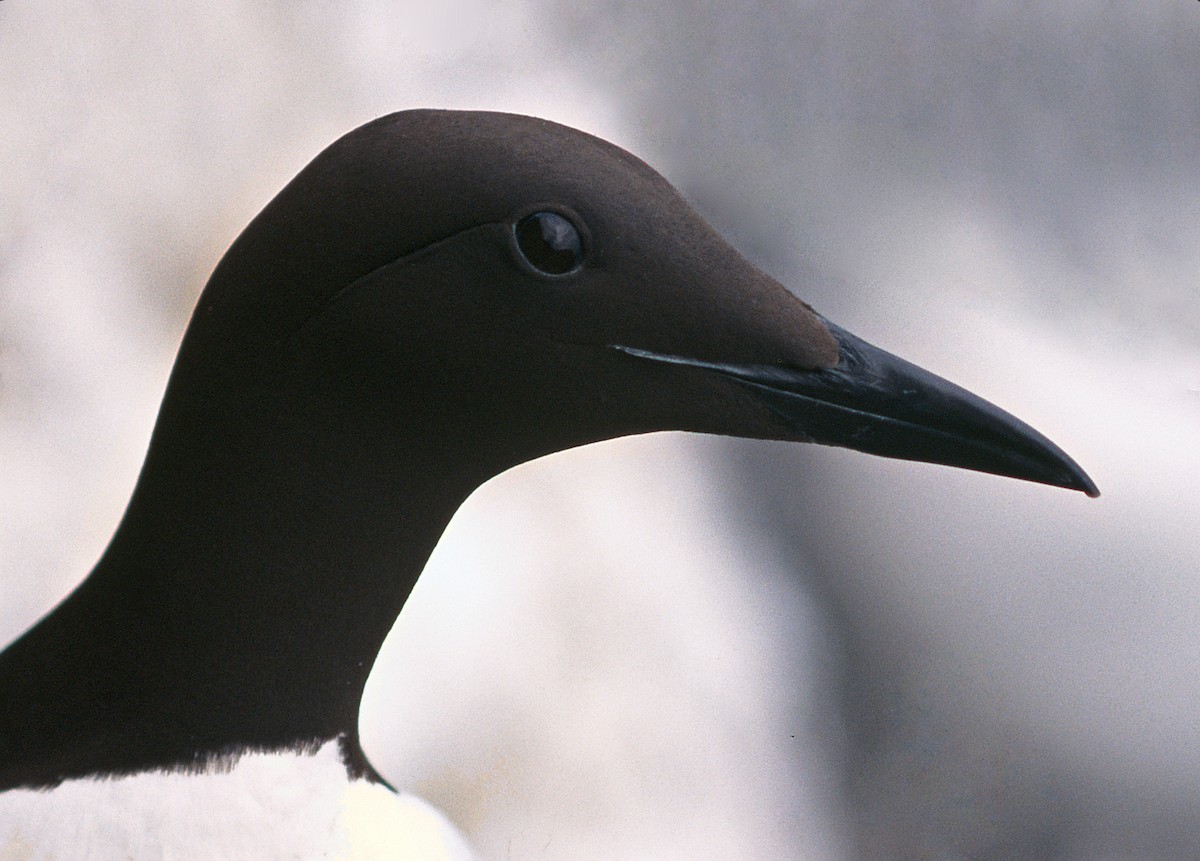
pixel 878 403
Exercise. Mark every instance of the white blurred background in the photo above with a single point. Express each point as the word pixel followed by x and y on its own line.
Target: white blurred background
pixel 680 647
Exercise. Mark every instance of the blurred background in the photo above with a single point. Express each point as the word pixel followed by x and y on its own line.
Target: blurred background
pixel 679 647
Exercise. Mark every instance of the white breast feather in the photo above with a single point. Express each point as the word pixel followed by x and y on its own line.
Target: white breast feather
pixel 266 806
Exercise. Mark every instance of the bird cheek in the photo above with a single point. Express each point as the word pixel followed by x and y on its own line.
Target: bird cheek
pixel 692 399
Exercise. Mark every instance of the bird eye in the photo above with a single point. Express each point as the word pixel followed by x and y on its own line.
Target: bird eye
pixel 549 242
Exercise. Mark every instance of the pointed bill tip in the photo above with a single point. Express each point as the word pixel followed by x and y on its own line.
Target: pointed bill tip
pixel 876 402
pixel 1086 485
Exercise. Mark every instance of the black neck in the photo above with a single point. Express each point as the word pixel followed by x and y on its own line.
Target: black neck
pixel 242 601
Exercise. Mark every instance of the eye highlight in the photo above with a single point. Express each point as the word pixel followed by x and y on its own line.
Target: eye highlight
pixel 549 242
